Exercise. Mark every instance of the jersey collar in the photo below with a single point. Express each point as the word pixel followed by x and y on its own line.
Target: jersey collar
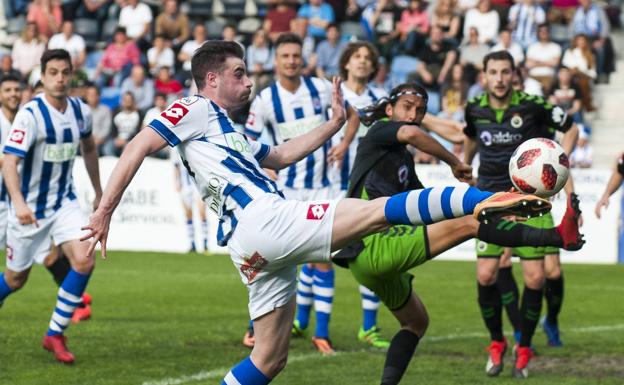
pixel 514 101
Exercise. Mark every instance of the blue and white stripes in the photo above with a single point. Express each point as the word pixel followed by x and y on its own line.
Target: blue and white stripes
pixel 370 305
pixel 424 207
pixel 323 289
pixel 68 299
pixel 245 373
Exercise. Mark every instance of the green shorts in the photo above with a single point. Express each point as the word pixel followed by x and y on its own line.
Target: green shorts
pixel 387 256
pixel 490 250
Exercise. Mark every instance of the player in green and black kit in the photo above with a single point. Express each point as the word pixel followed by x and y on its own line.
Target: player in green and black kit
pixel 384 167
pixel 496 123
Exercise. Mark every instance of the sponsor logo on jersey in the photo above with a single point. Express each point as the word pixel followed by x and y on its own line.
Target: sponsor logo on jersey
pixel 237 142
pixel 60 152
pixel 317 211
pixel 213 194
pixel 516 121
pixel 403 173
pixel 558 115
pixel 17 136
pixel 253 266
pixel 174 113
pixel 316 102
pixel 481 246
pixel 489 139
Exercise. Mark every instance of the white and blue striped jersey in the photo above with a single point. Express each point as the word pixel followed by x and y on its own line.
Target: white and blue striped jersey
pixel 223 163
pixel 286 115
pixel 5 129
pixel 357 101
pixel 47 141
pixel 186 181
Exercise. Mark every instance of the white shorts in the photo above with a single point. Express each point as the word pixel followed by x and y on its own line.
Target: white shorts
pixel 189 196
pixel 29 243
pixel 4 217
pixel 337 192
pixel 305 194
pixel 272 237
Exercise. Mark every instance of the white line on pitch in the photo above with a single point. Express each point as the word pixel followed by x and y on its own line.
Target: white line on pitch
pixel 221 372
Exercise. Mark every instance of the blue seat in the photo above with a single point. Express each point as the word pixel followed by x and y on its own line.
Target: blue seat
pixel 401 67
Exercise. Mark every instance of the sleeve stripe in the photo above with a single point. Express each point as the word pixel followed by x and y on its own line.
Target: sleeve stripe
pixel 14 151
pixel 166 133
pixel 252 133
pixel 263 152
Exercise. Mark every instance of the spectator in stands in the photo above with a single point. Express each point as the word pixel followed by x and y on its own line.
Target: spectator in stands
pixel 562 11
pixel 230 33
pixel 47 14
pixel 160 104
pixel 524 17
pixel 136 18
pixel 413 27
pixel 160 55
pixel 172 24
pixel 485 20
pixel 477 88
pixel 436 61
pixel 140 86
pixel 472 53
pixel 15 7
pixel 381 20
pixel 94 9
pixel 187 50
pixel 117 60
pixel 506 43
pixel 259 60
pixel 102 121
pixel 27 50
pixel 520 81
pixel 299 27
pixel 71 42
pixel 328 53
pixel 454 93
pixel 6 68
pixel 591 20
pixel 567 95
pixel 278 19
pixel 582 156
pixel 126 122
pixel 319 15
pixel 502 7
pixel 445 16
pixel 542 58
pixel 580 59
pixel 167 85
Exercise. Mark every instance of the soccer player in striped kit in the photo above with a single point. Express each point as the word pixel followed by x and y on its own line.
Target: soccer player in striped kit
pixel 37 166
pixel 289 108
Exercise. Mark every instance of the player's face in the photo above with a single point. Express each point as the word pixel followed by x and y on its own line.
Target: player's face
pixel 10 95
pixel 56 78
pixel 360 64
pixel 409 108
pixel 498 75
pixel 288 60
pixel 234 87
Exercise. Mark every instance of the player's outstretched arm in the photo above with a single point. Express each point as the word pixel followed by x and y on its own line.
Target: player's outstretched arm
pixel 298 148
pixel 336 154
pixel 90 157
pixel 145 143
pixel 614 183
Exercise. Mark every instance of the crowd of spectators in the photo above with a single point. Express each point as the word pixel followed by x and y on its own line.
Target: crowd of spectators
pixel 133 57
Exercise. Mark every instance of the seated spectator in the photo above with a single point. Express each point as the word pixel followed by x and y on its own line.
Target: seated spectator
pixel 319 15
pixel 48 16
pixel 136 18
pixel 140 86
pixel 160 55
pixel 445 16
pixel 506 43
pixel 167 85
pixel 485 20
pixel 413 27
pixel 524 17
pixel 522 82
pixel 591 20
pixel 580 59
pixel 172 24
pixel 471 54
pixel 454 93
pixel 230 33
pixel 477 88
pixel 562 11
pixel 6 69
pixel 542 58
pixel 126 122
pixel 117 60
pixel 381 20
pixel 259 61
pixel 278 19
pixel 27 50
pixel 582 155
pixel 102 120
pixel 299 27
pixel 567 95
pixel 159 105
pixel 71 42
pixel 328 53
pixel 187 51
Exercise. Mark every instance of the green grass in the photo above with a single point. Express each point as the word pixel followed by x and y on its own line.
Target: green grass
pixel 159 316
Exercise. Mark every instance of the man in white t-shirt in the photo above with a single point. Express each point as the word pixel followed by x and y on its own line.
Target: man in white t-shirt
pixel 136 18
pixel 188 49
pixel 542 58
pixel 71 42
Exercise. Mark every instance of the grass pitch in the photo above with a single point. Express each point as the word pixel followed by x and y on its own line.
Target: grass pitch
pixel 178 319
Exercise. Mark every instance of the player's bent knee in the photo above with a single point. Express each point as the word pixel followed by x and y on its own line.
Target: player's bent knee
pixel 16 280
pixel 486 277
pixel 534 280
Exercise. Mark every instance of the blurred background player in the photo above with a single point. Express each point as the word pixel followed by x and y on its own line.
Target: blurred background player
pixel 612 186
pixel 190 197
pixel 291 107
pixel 497 122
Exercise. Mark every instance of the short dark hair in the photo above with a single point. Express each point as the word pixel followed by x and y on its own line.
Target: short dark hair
pixel 9 77
pixel 288 38
pixel 350 49
pixel 120 29
pixel 211 57
pixel 159 94
pixel 498 55
pixel 55 54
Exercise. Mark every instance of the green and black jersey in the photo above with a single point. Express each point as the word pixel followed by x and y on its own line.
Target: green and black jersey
pixel 498 132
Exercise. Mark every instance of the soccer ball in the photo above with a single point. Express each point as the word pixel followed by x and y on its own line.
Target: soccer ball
pixel 539 166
